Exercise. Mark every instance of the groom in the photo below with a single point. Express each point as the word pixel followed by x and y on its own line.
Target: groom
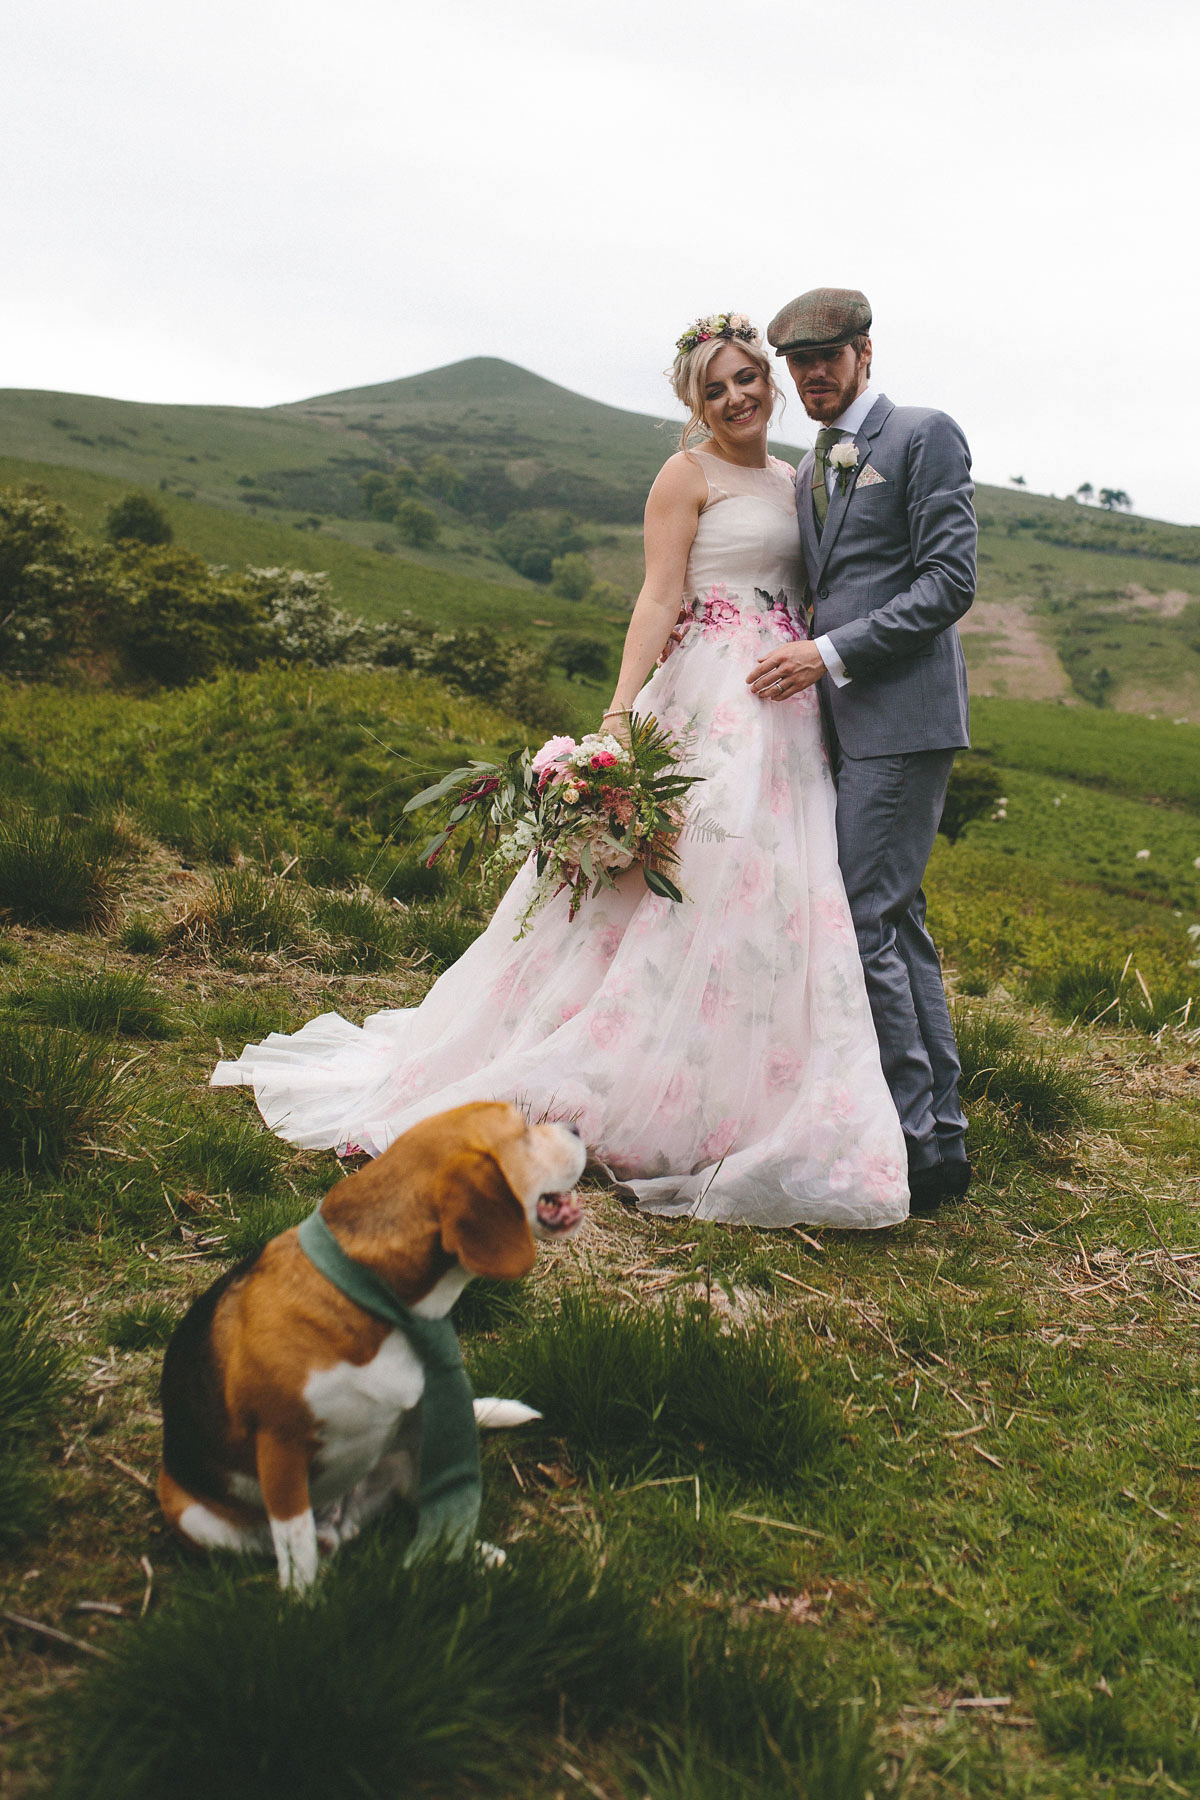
pixel 889 538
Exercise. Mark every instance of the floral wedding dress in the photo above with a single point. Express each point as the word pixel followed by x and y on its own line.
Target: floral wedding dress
pixel 717 1055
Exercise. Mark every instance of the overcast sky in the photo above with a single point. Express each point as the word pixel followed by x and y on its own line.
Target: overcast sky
pixel 252 201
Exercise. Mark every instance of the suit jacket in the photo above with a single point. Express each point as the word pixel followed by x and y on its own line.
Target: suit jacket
pixel 891 572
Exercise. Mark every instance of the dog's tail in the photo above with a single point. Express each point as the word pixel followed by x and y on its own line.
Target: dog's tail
pixel 495 1415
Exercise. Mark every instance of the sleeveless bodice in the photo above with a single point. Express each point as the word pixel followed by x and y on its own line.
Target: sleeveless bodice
pixel 745 576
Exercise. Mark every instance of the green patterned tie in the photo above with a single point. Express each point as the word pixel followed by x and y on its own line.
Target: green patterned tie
pixel 827 437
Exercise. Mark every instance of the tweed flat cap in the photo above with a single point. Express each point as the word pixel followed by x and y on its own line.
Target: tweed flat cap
pixel 822 319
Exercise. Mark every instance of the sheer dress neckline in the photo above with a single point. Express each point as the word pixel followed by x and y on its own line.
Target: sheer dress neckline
pixel 775 482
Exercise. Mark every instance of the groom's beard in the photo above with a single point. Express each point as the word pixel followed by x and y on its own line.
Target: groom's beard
pixel 826 398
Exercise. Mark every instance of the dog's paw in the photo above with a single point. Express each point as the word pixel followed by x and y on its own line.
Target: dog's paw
pixel 490 1555
pixel 492 1414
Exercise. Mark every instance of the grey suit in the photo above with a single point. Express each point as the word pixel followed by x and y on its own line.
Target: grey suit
pixel 891 572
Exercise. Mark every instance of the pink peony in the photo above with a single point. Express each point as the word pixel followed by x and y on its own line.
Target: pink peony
pixel 726 720
pixel 568 1012
pixel 552 753
pixel 720 613
pixel 609 942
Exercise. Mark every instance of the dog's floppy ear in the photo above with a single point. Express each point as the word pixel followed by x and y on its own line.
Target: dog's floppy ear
pixel 483 1221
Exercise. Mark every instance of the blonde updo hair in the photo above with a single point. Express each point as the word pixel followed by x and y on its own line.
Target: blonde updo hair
pixel 688 376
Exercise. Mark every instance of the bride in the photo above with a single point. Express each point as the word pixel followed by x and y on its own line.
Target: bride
pixel 718 1055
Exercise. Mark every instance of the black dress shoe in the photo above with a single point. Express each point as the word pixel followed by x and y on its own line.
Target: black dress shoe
pixel 926 1189
pixel 956 1177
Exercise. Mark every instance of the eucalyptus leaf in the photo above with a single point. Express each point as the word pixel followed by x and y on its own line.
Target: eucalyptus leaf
pixel 440 789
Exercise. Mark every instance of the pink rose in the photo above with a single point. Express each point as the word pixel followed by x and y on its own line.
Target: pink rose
pixel 719 1142
pixel 754 884
pixel 603 759
pixel 607 1027
pixel 784 1069
pixel 726 720
pixel 609 942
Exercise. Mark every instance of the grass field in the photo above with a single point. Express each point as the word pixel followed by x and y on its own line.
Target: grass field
pixel 910 1514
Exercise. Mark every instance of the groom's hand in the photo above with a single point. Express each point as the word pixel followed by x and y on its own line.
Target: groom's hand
pixel 786 671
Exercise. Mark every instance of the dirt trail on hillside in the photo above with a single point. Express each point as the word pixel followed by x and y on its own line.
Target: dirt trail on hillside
pixel 1007 654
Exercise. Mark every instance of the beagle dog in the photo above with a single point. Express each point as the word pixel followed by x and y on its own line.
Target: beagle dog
pixel 288 1410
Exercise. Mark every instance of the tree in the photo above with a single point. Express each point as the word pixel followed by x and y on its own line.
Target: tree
pixel 440 478
pixel 53 584
pixel 1115 497
pixel 1086 492
pixel 417 524
pixel 571 576
pixel 172 619
pixel 973 791
pixel 578 654
pixel 137 518
pixel 1018 481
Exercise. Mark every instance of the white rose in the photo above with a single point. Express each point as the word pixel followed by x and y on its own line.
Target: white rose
pixel 844 455
pixel 570 794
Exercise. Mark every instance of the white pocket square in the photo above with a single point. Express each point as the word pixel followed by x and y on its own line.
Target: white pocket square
pixel 869 477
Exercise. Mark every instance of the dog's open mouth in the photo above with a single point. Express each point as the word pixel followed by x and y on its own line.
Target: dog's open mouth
pixel 559 1212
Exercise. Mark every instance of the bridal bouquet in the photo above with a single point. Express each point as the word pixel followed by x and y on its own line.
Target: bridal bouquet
pixel 583 811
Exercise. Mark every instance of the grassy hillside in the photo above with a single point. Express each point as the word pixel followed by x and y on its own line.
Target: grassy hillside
pixel 1074 603
pixel 931 1529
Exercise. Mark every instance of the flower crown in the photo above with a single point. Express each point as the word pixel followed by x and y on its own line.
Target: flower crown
pixel 717 325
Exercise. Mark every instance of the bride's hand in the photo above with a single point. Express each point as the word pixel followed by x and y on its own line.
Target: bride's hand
pixel 616 722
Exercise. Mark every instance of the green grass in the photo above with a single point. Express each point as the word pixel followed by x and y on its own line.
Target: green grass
pixel 145 1325
pixel 455 1677
pixel 55 872
pixel 634 1391
pixel 58 1089
pixel 110 1001
pixel 1141 758
pixel 34 1383
pixel 954 1459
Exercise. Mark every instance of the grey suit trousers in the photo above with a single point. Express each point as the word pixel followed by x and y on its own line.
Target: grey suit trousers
pixel 888 811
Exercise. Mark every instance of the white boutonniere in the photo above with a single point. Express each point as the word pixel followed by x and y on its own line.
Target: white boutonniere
pixel 844 458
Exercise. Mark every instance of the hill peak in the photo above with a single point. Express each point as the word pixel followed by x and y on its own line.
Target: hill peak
pixel 474 378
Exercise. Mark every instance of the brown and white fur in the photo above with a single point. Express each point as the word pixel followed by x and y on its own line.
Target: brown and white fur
pixel 288 1411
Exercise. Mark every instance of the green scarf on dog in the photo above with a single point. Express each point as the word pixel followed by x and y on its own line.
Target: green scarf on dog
pixel 450 1488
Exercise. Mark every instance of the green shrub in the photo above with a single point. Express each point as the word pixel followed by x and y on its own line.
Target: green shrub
pixel 146 1325
pixel 52 583
pixel 628 1389
pixel 111 1000
pixel 139 518
pixel 56 873
pixel 57 1091
pixel 175 620
pixel 362 934
pixel 975 786
pixel 572 576
pixel 418 525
